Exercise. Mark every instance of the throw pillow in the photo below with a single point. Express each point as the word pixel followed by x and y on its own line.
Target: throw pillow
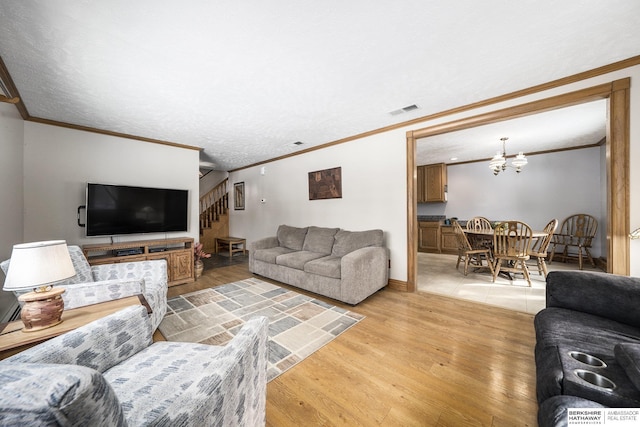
pixel 42 394
pixel 291 237
pixel 349 241
pixel 319 239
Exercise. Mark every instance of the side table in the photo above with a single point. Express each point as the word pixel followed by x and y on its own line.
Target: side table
pixel 13 340
pixel 234 244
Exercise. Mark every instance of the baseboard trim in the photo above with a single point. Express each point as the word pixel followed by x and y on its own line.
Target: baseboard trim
pixel 398 285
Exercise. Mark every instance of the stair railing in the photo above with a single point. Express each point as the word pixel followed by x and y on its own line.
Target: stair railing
pixel 214 203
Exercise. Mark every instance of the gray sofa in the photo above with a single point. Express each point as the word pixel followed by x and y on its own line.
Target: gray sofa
pixel 109 373
pixel 589 318
pixel 344 265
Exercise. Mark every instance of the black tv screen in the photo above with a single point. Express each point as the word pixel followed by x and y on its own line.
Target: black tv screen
pixel 119 209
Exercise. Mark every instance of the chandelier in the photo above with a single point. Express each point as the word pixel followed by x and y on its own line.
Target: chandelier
pixel 499 162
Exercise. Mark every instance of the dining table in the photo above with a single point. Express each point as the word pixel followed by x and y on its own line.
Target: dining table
pixel 484 238
pixel 481 239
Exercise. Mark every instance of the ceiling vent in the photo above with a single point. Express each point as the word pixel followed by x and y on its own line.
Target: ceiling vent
pixel 404 109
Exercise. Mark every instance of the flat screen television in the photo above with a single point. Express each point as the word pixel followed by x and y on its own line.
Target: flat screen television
pixel 119 209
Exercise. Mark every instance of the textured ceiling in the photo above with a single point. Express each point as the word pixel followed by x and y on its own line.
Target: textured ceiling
pixel 246 79
pixel 577 126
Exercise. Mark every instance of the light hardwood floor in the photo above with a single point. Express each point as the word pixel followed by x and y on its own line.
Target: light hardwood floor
pixel 416 360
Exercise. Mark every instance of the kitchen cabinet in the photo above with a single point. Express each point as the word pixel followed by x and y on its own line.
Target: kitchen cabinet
pixel 432 183
pixel 448 240
pixel 428 236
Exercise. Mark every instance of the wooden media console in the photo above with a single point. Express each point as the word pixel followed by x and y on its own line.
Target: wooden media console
pixel 178 253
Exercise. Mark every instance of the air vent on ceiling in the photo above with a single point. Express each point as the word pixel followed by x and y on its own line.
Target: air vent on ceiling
pixel 404 109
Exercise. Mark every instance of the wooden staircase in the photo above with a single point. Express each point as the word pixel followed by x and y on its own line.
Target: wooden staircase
pixel 214 217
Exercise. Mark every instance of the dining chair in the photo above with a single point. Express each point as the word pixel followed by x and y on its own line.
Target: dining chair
pixel 479 223
pixel 538 251
pixel 511 244
pixel 577 231
pixel 469 254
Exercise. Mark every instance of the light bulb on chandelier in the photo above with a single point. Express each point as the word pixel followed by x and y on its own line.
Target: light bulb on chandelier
pixel 499 162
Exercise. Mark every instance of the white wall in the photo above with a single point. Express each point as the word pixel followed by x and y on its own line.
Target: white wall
pixel 551 186
pixel 58 163
pixel 373 194
pixel 210 180
pixel 11 195
pixel 376 195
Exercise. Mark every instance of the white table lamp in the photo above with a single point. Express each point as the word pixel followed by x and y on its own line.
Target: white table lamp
pixel 37 266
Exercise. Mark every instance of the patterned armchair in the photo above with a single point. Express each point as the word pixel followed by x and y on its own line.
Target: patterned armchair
pixel 108 373
pixel 100 283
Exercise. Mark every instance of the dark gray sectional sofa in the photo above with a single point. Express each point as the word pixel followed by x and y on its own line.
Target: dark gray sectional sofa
pixel 587 344
pixel 344 265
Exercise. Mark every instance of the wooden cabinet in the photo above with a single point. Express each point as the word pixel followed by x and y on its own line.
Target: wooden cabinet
pixel 428 236
pixel 432 183
pixel 177 252
pixel 421 184
pixel 448 240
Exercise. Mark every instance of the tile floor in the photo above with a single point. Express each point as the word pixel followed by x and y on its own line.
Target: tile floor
pixel 437 274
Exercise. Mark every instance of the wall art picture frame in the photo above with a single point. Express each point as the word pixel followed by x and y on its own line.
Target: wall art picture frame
pixel 238 196
pixel 325 184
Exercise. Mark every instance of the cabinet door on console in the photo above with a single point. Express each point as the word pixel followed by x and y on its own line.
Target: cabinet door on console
pixel 181 265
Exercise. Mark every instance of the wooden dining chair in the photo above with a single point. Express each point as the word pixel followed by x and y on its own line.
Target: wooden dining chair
pixel 470 255
pixel 479 223
pixel 538 251
pixel 577 232
pixel 511 244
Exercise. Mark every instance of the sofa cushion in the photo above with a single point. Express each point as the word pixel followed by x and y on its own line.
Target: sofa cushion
pixel 297 259
pixel 81 265
pixel 349 241
pixel 628 356
pixel 270 255
pixel 328 266
pixel 291 237
pixel 319 239
pixel 42 394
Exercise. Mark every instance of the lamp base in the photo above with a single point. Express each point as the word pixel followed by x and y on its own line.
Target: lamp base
pixel 41 310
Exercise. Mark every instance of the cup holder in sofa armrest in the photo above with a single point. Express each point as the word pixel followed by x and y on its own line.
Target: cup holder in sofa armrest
pixel 595 379
pixel 587 359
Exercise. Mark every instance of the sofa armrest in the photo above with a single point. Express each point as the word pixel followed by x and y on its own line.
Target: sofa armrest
pixel 363 272
pixel 155 278
pixel 190 384
pixel 606 295
pixel 264 243
pixel 99 345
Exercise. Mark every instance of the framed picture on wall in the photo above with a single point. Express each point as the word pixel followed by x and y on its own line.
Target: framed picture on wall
pixel 325 184
pixel 238 196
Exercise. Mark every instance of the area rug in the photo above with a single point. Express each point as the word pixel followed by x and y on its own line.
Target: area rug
pixel 298 324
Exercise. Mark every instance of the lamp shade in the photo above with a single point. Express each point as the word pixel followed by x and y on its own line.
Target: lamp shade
pixel 38 264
